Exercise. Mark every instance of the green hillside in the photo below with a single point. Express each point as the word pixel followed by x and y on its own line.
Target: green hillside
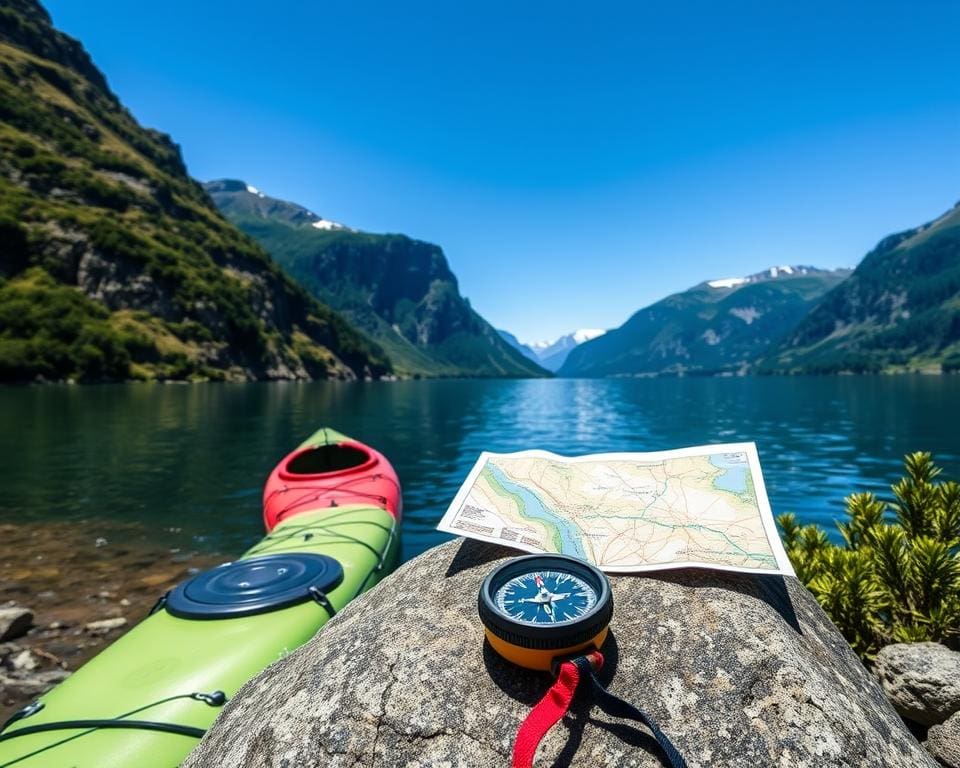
pixel 399 291
pixel 900 310
pixel 713 328
pixel 114 262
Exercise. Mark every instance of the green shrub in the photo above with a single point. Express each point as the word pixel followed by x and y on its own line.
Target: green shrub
pixel 52 331
pixel 896 576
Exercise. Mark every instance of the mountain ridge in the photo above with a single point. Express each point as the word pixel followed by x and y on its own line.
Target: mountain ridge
pixel 899 310
pixel 715 327
pixel 400 291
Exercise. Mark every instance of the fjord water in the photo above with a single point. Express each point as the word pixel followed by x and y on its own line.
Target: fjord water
pixel 189 461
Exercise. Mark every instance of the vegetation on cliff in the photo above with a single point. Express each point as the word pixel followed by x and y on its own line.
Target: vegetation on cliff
pixel 720 326
pixel 114 263
pixel 398 290
pixel 899 310
pixel 896 577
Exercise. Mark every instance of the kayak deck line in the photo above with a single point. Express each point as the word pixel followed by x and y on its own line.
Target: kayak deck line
pixel 93 725
pixel 311 530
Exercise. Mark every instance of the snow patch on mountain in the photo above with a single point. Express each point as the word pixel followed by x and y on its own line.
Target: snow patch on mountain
pixel 747 314
pixel 728 282
pixel 552 354
pixel 585 334
pixel 784 270
pixel 325 224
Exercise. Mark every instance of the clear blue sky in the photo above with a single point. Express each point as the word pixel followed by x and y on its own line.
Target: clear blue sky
pixel 576 161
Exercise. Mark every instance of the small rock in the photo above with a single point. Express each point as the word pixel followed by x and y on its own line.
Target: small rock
pixel 943 741
pixel 56 625
pixel 24 661
pixel 34 684
pixel 14 622
pixel 100 542
pixel 106 595
pixel 922 680
pixel 105 625
pixel 124 602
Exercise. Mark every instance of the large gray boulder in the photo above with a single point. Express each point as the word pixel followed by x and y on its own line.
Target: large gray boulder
pixel 738 670
pixel 921 679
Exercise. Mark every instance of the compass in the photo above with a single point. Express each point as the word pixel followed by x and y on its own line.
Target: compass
pixel 539 607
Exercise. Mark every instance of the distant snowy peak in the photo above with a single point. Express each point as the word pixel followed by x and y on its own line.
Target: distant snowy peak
pixel 568 339
pixel 585 334
pixel 768 274
pixel 553 354
pixel 261 204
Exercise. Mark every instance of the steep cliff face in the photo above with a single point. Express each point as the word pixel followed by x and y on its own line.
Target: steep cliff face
pixel 115 264
pixel 900 309
pixel 399 290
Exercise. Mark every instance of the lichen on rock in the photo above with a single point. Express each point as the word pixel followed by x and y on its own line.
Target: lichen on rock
pixel 738 670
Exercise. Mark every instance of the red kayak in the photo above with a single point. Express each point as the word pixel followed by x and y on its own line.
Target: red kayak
pixel 330 470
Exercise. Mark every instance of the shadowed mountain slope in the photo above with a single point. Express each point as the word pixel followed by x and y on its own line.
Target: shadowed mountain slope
pixel 398 290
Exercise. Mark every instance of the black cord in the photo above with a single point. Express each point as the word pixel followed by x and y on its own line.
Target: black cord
pixel 212 699
pixel 614 705
pixel 144 725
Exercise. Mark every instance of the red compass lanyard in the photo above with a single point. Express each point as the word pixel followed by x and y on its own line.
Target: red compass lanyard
pixel 555 704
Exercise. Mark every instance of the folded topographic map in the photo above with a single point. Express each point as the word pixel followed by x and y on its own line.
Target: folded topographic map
pixel 702 507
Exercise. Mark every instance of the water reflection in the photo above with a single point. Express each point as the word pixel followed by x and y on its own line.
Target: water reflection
pixel 195 457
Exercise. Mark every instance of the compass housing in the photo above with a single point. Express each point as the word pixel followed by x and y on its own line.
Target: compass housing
pixel 536 645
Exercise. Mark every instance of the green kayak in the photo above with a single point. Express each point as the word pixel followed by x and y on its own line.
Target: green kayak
pixel 146 700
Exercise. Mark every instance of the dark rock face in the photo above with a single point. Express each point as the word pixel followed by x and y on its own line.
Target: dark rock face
pixel 398 290
pixel 943 742
pixel 738 670
pixel 14 621
pixel 921 679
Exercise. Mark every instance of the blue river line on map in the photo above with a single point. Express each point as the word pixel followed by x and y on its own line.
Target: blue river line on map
pixel 534 508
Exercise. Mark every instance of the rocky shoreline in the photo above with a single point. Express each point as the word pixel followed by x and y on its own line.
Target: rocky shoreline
pixel 67 590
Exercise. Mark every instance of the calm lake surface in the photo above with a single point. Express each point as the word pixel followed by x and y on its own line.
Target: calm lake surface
pixel 187 462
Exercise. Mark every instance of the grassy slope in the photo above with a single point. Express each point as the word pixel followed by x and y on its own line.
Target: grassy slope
pixel 84 187
pixel 900 310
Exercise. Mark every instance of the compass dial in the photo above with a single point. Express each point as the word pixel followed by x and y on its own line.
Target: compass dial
pixel 538 607
pixel 545 597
